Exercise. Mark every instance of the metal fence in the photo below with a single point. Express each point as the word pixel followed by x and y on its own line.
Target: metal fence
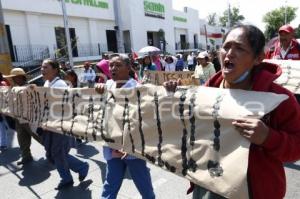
pixel 25 53
pixel 186 46
pixel 29 56
pixel 127 48
pixel 183 46
pixel 85 50
pixel 82 50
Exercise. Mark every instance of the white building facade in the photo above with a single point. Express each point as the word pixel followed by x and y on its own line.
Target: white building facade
pixel 35 27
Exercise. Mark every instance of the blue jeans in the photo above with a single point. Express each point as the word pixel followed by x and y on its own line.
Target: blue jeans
pixel 72 163
pixel 115 171
pixel 57 148
pixel 3 134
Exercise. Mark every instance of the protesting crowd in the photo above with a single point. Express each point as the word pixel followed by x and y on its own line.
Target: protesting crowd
pixel 203 64
pixel 238 64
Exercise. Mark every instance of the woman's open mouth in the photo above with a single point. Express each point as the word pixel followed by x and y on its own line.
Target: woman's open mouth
pixel 228 67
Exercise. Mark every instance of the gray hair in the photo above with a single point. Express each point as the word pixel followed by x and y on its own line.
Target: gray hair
pixel 124 57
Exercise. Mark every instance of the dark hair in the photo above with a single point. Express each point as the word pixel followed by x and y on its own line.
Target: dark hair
pixel 123 57
pixel 53 63
pixel 105 55
pixel 132 73
pixel 254 36
pixel 24 78
pixel 74 75
pixel 144 64
pixel 169 57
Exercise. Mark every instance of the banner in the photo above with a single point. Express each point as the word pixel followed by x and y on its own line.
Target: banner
pixel 189 133
pixel 290 77
pixel 159 77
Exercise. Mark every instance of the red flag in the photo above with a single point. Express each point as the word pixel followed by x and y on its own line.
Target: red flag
pixel 134 55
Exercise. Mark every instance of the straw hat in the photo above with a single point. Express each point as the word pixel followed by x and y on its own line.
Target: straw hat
pixel 15 72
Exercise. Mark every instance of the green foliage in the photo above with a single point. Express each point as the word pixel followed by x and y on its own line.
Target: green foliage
pixel 276 18
pixel 212 19
pixel 212 41
pixel 235 17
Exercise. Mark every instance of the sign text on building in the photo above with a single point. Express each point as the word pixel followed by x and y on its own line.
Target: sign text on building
pixel 180 19
pixel 91 3
pixel 153 9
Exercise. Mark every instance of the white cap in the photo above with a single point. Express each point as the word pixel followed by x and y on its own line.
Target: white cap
pixel 202 55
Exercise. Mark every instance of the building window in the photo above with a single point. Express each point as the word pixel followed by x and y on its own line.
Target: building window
pixel 183 43
pixel 61 42
pixel 111 38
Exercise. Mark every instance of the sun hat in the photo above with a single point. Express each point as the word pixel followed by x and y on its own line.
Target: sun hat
pixel 15 72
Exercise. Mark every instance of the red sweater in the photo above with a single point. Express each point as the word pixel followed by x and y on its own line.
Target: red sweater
pixel 266 176
pixel 293 53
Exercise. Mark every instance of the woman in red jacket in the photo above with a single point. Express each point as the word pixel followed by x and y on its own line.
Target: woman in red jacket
pixel 275 139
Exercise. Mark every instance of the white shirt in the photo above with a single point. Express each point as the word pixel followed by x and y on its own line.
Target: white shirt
pixel 111 84
pixel 170 67
pixel 284 52
pixel 204 73
pixel 88 75
pixel 56 83
pixel 190 60
pixel 131 83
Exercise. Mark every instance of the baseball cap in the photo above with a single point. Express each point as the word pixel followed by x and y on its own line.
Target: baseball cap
pixel 202 55
pixel 286 28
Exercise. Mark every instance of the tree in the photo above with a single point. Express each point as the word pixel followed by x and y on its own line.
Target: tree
pixel 276 18
pixel 235 17
pixel 212 19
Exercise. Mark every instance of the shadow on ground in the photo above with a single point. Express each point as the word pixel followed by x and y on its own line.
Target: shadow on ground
pixel 80 191
pixel 88 151
pixel 9 156
pixel 34 173
pixel 292 165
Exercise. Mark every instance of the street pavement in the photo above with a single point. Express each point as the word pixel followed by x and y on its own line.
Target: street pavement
pixel 39 178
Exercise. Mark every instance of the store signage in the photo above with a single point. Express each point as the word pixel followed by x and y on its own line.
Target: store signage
pixel 180 19
pixel 153 9
pixel 91 3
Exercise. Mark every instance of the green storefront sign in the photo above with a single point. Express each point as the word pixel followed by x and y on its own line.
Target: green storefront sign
pixel 153 9
pixel 180 19
pixel 91 3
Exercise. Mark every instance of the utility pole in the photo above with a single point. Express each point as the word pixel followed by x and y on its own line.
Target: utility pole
pixel 5 60
pixel 119 26
pixel 229 16
pixel 285 13
pixel 205 30
pixel 67 32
